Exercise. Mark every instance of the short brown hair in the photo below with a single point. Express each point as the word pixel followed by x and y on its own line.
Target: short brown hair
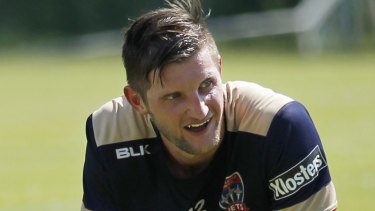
pixel 163 36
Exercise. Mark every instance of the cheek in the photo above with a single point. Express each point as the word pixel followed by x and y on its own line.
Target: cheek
pixel 216 99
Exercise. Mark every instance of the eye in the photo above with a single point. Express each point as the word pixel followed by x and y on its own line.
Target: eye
pixel 172 96
pixel 206 84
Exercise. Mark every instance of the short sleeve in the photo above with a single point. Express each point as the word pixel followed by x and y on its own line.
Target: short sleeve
pixel 296 165
pixel 96 189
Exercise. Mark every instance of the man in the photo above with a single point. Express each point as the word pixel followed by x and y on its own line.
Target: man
pixel 180 139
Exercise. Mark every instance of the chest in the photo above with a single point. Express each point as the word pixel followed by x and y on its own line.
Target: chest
pixel 234 181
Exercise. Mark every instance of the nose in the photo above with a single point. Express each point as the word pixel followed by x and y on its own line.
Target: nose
pixel 197 107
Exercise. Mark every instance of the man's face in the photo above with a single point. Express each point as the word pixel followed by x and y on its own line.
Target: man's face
pixel 187 107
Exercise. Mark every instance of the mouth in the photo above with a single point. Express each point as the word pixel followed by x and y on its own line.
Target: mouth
pixel 198 127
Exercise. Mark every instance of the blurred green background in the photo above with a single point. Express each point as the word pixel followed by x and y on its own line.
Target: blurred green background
pixel 51 79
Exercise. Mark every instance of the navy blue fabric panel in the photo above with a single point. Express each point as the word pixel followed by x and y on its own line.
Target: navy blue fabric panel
pixel 133 173
pixel 246 155
pixel 297 166
pixel 97 193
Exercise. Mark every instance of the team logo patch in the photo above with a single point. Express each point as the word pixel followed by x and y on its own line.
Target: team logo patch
pixel 233 194
pixel 304 172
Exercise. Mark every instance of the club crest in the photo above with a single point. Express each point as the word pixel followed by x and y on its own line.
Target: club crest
pixel 233 194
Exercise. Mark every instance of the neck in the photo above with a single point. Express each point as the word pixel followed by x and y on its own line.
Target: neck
pixel 185 165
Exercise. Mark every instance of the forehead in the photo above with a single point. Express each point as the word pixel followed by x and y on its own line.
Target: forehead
pixel 194 70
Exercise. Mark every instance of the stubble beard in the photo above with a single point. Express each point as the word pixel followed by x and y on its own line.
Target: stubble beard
pixel 183 144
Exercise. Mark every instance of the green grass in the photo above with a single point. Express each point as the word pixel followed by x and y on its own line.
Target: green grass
pixel 46 97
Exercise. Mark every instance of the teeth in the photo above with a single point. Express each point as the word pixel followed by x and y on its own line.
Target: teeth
pixel 198 125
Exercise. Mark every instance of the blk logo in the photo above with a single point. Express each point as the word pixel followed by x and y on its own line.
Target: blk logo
pixel 128 152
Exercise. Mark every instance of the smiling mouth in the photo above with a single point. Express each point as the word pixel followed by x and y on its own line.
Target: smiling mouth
pixel 198 127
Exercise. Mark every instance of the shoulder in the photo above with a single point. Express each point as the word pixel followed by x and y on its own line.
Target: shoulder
pixel 251 107
pixel 116 121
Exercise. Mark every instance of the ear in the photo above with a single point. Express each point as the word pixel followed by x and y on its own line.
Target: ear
pixel 135 100
pixel 220 62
